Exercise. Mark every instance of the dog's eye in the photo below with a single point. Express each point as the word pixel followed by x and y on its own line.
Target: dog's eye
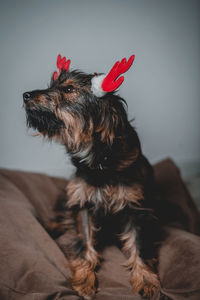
pixel 68 89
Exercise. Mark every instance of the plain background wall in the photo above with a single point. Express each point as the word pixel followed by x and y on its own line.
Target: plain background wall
pixel 162 88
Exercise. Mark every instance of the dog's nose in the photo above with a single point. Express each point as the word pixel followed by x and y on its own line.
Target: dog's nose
pixel 26 97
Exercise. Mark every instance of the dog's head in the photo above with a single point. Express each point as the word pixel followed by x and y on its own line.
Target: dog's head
pixel 78 107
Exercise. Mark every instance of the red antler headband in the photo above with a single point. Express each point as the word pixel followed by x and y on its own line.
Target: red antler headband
pixel 107 83
pixel 62 64
pixel 101 84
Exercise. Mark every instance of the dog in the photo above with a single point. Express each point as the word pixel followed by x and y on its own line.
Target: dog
pixel 109 199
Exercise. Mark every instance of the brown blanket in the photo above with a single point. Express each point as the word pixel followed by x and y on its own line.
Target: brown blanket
pixel 34 268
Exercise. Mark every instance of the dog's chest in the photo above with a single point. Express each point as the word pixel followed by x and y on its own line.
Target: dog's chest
pixel 112 198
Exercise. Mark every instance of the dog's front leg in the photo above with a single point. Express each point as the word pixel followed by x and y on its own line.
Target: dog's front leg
pixel 77 245
pixel 83 266
pixel 143 279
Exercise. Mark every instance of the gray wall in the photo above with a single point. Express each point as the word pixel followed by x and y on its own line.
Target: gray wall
pixel 162 88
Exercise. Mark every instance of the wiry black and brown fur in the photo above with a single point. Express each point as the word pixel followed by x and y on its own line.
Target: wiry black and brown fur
pixel 109 198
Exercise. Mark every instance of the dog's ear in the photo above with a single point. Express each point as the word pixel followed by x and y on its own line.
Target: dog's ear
pixel 102 84
pixel 113 118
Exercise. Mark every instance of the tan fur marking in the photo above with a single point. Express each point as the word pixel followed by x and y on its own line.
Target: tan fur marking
pixel 142 278
pixel 73 135
pixel 107 134
pixel 83 278
pixel 112 198
pixel 83 274
pixel 69 81
pixel 67 223
pixel 36 134
pixel 107 129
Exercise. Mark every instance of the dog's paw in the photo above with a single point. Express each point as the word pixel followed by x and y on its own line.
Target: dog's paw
pixel 86 287
pixel 149 290
pixel 147 287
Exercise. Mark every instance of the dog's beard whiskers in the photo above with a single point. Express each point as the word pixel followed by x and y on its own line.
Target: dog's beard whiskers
pixel 44 121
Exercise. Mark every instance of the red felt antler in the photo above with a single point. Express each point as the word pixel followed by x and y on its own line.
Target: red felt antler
pixel 62 64
pixel 110 82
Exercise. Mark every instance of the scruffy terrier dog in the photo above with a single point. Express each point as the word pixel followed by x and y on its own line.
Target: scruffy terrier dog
pixel 109 198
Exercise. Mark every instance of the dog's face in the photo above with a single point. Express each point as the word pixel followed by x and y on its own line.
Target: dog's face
pixel 69 112
pixel 48 110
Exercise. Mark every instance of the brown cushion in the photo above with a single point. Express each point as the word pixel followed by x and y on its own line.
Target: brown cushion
pixel 33 267
pixel 174 204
